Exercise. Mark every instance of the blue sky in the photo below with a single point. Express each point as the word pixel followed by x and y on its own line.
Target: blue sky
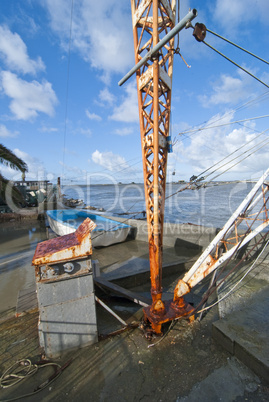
pixel 63 113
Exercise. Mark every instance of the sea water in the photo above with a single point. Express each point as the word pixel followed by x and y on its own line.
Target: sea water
pixel 211 206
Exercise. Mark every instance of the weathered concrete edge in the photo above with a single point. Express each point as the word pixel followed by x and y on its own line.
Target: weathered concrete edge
pixel 236 347
pixel 200 235
pixel 136 279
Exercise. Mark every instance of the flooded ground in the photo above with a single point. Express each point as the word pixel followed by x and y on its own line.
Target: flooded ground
pixel 17 246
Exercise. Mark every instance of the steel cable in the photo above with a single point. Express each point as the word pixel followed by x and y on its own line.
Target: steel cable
pixel 237 65
pixel 239 47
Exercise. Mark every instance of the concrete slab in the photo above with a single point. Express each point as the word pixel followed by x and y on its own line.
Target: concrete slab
pixel 197 235
pixel 245 335
pixel 127 263
pixel 214 387
pixel 244 327
pixel 187 363
pixel 185 366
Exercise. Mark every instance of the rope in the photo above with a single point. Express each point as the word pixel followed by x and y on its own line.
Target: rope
pixel 23 369
pixel 199 179
pixel 17 372
pixel 264 142
pixel 178 19
pixel 177 51
pixel 245 105
pixel 215 164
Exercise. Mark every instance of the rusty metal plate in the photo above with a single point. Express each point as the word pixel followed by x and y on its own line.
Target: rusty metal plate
pixel 63 270
pixel 172 312
pixel 72 246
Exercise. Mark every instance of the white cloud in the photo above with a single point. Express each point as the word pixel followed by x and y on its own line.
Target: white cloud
pixel 28 98
pixel 72 172
pixel 14 53
pixel 86 131
pixel 265 77
pixel 232 14
pixel 106 96
pixel 127 111
pixel 101 31
pixel 93 116
pixel 227 90
pixel 124 131
pixel 210 146
pixel 48 129
pixel 109 160
pixel 6 133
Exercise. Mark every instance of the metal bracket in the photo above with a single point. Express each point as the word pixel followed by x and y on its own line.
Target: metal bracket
pixel 199 32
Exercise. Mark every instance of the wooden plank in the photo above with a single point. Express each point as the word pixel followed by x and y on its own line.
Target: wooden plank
pixel 135 297
pixel 27 301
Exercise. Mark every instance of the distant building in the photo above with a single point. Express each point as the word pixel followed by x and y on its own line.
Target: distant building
pixel 34 191
pixel 33 185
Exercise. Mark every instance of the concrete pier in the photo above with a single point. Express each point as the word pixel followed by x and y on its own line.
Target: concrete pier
pixel 211 360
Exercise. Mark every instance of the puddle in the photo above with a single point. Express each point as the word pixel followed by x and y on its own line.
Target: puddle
pixel 17 247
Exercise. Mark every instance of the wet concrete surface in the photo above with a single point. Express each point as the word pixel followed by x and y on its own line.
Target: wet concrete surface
pixel 17 244
pixel 187 364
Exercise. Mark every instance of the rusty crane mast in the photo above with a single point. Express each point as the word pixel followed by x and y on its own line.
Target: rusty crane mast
pixel 154 31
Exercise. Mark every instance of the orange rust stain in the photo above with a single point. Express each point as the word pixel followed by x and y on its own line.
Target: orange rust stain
pixel 70 241
pixel 209 265
pixel 204 269
pixel 84 229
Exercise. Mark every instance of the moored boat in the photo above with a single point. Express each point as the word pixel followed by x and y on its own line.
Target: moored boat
pixel 107 231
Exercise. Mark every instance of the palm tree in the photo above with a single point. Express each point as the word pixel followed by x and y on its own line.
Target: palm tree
pixel 8 158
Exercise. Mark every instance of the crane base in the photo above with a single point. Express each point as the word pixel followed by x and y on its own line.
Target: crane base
pixel 172 312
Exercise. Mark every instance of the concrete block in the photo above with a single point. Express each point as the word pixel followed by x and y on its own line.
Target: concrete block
pixel 67 314
pixel 244 334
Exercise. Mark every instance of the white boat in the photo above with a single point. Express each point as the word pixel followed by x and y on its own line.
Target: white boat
pixel 107 231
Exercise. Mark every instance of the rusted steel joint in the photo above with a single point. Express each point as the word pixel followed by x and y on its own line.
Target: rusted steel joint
pixel 173 311
pixel 157 307
pixel 155 56
pixel 181 289
pixel 179 305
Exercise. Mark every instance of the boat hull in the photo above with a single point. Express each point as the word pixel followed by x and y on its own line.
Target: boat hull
pixel 107 232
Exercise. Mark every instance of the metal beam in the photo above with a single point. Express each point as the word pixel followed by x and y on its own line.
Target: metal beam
pixel 189 17
pixel 212 258
pixel 226 227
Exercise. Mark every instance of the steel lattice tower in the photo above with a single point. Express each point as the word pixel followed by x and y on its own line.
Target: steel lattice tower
pixel 152 20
